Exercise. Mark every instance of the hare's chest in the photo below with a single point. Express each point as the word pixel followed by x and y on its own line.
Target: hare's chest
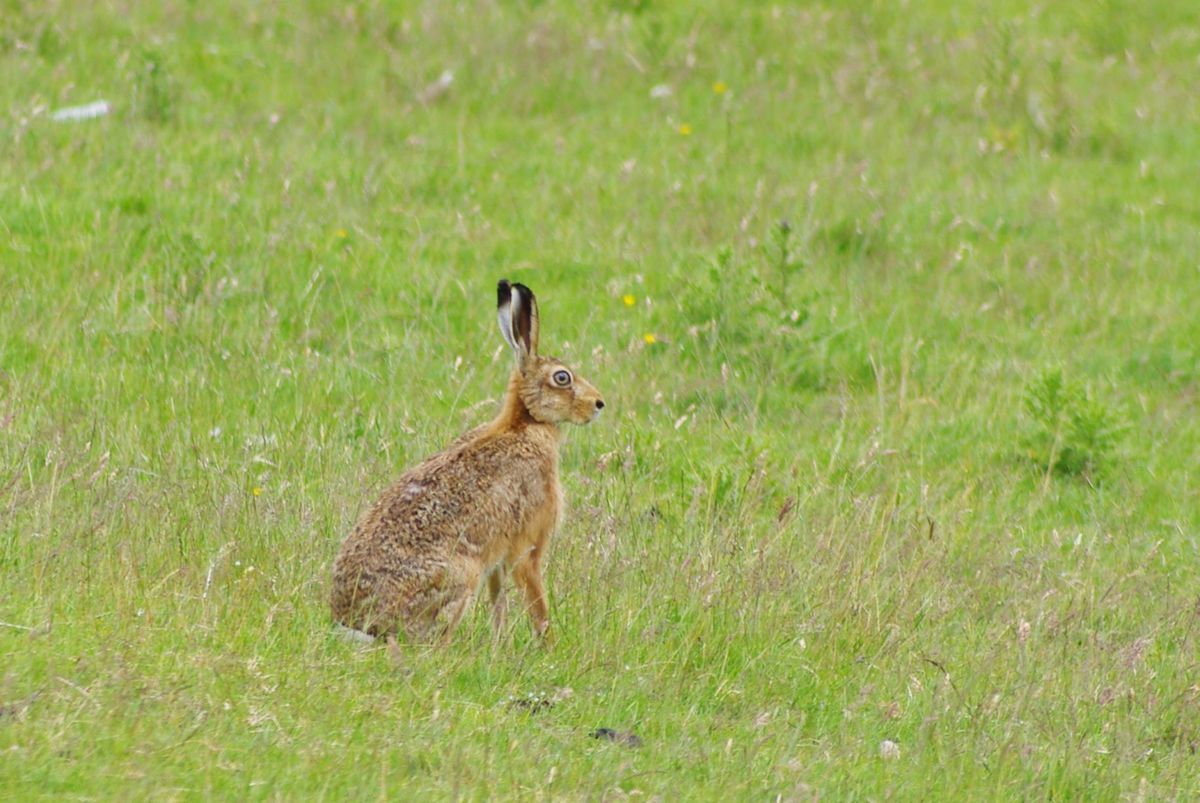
pixel 546 508
pixel 559 502
pixel 545 512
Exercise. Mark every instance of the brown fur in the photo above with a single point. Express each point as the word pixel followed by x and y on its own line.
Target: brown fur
pixel 485 506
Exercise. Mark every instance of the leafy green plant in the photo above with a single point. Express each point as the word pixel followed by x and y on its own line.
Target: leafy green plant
pixel 1024 95
pixel 1073 433
pixel 154 88
pixel 758 310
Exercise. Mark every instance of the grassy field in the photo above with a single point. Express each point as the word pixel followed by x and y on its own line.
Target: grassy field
pixel 894 306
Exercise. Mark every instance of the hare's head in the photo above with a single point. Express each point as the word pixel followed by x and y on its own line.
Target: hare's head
pixel 549 389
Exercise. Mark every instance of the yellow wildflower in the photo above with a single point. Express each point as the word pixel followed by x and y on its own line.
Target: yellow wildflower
pixel 720 87
pixel 650 339
pixel 257 490
pixel 685 129
pixel 341 234
pixel 629 300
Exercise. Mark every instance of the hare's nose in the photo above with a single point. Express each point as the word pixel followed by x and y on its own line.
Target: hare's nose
pixel 599 404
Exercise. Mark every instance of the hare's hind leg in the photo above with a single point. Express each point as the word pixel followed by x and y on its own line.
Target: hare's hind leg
pixel 437 610
pixel 368 604
pixel 423 603
pixel 433 619
pixel 452 614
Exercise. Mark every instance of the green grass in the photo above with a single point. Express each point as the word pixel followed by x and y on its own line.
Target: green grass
pixel 920 468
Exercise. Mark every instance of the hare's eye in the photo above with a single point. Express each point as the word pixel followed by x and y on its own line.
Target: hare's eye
pixel 562 378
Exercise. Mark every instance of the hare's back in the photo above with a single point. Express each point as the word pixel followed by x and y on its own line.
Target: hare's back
pixel 466 496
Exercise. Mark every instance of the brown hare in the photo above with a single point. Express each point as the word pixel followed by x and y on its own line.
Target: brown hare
pixel 484 507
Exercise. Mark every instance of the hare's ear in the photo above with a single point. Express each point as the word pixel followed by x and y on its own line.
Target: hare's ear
pixel 504 304
pixel 525 319
pixel 517 311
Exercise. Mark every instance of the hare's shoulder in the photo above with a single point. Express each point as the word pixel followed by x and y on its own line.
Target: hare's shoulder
pixel 485 450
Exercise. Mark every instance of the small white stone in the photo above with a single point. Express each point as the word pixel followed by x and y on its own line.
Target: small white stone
pixel 349 634
pixel 88 111
pixel 889 749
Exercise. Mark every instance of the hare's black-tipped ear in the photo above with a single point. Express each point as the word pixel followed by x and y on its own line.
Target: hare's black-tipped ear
pixel 525 324
pixel 504 314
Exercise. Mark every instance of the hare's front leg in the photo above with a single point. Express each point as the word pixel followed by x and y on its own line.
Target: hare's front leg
pixel 528 577
pixel 496 593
